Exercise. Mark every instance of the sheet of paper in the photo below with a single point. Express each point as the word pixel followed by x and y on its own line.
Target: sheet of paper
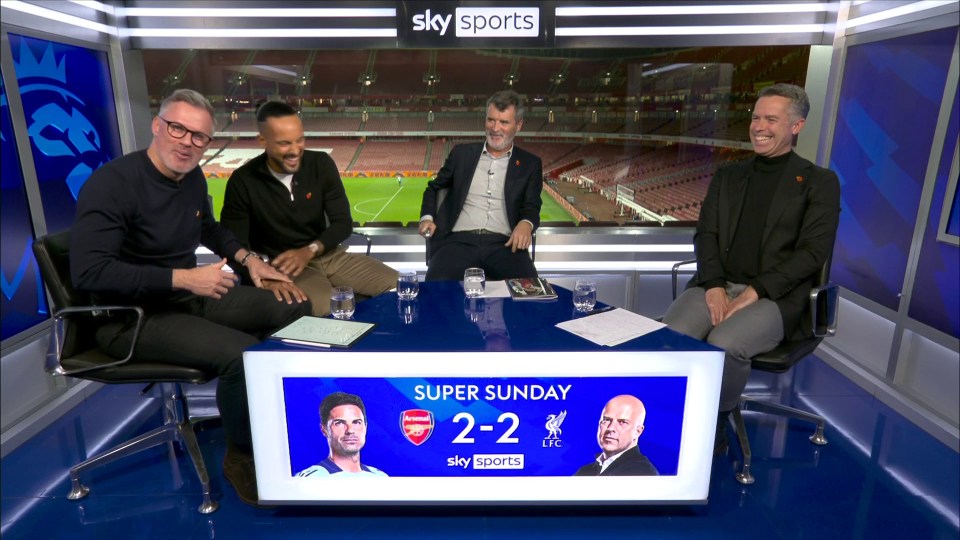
pixel 329 331
pixel 611 328
pixel 496 289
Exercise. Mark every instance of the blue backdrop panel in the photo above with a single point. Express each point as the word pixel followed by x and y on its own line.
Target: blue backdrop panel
pixel 24 301
pixel 889 102
pixel 388 449
pixel 71 118
pixel 935 300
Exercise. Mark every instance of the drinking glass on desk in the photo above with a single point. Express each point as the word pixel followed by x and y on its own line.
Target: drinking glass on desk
pixel 585 294
pixel 342 303
pixel 408 285
pixel 474 282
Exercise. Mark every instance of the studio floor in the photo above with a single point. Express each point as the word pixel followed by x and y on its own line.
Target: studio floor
pixel 879 477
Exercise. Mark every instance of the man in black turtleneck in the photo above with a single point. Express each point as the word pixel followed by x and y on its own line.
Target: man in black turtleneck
pixel 766 228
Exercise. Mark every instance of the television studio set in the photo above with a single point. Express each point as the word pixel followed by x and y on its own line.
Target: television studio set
pixel 480 269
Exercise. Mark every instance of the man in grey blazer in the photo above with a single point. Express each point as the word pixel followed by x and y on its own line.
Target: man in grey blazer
pixel 491 202
pixel 766 228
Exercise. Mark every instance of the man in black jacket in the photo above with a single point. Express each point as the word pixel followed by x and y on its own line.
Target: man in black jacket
pixel 766 228
pixel 288 204
pixel 621 424
pixel 491 202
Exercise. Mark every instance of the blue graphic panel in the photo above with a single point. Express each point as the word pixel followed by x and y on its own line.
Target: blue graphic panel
pixel 24 303
pixel 506 418
pixel 889 103
pixel 936 300
pixel 71 118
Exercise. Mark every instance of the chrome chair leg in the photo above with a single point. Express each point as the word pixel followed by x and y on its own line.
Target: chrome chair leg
pixel 189 438
pixel 751 404
pixel 745 476
pixel 150 439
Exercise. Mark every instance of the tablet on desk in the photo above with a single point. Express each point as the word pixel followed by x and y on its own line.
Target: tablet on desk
pixel 323 333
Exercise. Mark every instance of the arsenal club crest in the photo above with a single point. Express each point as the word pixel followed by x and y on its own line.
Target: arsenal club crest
pixel 417 425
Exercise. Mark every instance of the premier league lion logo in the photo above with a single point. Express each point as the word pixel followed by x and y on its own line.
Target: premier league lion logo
pixel 56 117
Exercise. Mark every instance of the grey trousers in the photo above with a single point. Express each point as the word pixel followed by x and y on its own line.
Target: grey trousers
pixel 366 275
pixel 755 329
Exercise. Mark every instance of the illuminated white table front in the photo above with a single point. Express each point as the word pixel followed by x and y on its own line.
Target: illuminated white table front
pixel 482 402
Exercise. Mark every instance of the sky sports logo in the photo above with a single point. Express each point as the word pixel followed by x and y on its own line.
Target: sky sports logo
pixel 485 22
pixel 487 461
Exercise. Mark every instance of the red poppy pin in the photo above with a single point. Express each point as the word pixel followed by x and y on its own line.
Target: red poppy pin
pixel 799 179
pixel 310 195
pixel 518 163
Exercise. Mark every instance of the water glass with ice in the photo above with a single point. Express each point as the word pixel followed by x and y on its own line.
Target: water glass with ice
pixel 408 285
pixel 585 294
pixel 474 282
pixel 342 303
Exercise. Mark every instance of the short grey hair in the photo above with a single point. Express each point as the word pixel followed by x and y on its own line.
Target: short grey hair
pixel 504 99
pixel 799 102
pixel 190 97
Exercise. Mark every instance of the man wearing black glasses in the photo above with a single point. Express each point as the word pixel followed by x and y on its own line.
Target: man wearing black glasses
pixel 140 219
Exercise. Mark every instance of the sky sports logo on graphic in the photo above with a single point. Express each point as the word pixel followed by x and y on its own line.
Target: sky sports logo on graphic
pixel 487 461
pixel 485 22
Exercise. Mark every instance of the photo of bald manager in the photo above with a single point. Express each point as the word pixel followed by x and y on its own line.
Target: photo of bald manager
pixel 621 424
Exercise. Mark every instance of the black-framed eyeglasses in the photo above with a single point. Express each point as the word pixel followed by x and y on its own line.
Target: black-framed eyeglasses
pixel 179 131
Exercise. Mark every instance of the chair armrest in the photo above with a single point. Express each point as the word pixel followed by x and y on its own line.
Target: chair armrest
pixel 55 353
pixel 366 238
pixel 824 309
pixel 675 271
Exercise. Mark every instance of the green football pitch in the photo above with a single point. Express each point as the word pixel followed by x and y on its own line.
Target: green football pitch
pixel 382 199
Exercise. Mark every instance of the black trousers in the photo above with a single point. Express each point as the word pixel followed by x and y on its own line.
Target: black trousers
pixel 462 250
pixel 209 335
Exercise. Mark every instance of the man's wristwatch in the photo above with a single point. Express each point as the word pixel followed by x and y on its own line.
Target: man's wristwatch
pixel 243 261
pixel 314 248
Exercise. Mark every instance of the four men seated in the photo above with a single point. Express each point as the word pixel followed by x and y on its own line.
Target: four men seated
pixel 766 228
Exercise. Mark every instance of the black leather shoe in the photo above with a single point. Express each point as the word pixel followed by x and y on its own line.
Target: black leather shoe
pixel 241 473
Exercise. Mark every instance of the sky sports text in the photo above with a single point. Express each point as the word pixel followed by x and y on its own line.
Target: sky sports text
pixel 487 461
pixel 482 22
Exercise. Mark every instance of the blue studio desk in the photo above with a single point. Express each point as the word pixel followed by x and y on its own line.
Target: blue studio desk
pixel 459 393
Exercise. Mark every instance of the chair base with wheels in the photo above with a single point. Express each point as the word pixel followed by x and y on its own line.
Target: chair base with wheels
pixel 73 352
pixel 824 302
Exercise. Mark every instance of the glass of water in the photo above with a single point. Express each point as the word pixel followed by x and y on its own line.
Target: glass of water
pixel 342 304
pixel 474 282
pixel 585 294
pixel 408 285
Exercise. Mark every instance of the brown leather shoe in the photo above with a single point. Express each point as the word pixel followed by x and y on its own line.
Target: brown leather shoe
pixel 241 473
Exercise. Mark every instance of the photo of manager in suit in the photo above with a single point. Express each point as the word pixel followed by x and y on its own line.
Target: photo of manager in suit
pixel 491 202
pixel 621 424
pixel 343 421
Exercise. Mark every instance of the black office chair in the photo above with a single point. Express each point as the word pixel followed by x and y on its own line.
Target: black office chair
pixel 824 304
pixel 74 353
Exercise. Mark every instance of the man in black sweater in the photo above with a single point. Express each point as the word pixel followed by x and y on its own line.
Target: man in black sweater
pixel 289 205
pixel 621 424
pixel 140 219
pixel 766 228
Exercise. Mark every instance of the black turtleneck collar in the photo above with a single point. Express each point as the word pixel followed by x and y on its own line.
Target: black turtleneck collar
pixel 770 164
